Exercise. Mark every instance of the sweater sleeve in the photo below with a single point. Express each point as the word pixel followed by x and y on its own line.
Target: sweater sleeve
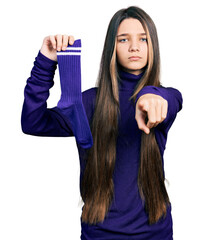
pixel 174 99
pixel 36 118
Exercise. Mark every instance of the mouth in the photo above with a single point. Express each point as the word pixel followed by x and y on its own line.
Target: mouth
pixel 134 58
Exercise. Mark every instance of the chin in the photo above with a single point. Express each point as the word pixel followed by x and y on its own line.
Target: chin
pixel 135 68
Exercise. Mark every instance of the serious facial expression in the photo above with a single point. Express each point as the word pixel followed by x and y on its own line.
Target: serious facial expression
pixel 131 46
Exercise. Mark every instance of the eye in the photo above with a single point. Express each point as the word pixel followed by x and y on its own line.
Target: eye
pixel 123 40
pixel 144 39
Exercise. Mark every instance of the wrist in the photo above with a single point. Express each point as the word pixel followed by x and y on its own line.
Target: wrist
pixel 46 64
pixel 48 55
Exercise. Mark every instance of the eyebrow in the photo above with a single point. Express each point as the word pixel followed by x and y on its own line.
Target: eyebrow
pixel 125 34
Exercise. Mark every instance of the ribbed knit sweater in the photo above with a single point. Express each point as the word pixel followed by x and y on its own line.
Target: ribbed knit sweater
pixel 126 219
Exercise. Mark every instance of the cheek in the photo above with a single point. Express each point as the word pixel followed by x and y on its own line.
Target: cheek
pixel 119 54
pixel 145 51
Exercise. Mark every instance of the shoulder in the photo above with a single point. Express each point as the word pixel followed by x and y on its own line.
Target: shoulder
pixel 89 96
pixel 89 93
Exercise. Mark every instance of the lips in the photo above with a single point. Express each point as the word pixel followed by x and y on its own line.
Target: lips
pixel 134 58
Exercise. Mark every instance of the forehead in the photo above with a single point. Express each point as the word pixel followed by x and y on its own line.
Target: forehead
pixel 131 26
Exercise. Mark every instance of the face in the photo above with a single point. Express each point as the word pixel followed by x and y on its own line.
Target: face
pixel 131 46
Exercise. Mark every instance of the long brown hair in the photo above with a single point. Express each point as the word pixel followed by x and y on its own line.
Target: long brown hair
pixel 97 183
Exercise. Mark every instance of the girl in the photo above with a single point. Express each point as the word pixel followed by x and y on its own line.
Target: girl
pixel 129 114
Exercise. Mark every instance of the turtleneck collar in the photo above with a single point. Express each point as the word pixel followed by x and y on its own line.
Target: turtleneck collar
pixel 128 81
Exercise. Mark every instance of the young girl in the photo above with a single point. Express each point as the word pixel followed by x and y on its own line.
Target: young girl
pixel 120 126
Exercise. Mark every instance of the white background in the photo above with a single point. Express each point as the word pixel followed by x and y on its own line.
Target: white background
pixel 39 177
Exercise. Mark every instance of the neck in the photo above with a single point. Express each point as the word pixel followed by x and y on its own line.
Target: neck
pixel 128 80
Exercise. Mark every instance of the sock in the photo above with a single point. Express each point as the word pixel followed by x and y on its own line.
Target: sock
pixel 69 63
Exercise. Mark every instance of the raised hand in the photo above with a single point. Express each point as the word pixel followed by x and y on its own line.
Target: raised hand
pixel 152 106
pixel 52 43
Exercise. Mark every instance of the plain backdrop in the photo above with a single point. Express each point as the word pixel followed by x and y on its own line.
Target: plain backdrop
pixel 39 176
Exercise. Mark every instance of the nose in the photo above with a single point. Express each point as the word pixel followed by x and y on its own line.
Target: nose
pixel 134 46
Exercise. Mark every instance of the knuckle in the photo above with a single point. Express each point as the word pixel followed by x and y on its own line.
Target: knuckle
pixel 164 116
pixel 162 119
pixel 59 37
pixel 158 120
pixel 52 39
pixel 149 100
pixel 152 121
pixel 141 103
pixel 159 101
pixel 153 100
pixel 65 37
pixel 140 127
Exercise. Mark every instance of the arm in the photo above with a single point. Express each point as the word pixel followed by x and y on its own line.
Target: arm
pixel 36 118
pixel 172 97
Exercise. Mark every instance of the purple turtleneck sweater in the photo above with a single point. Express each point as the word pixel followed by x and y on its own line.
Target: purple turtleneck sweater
pixel 126 219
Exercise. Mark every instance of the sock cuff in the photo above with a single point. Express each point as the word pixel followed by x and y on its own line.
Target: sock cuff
pixel 74 49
